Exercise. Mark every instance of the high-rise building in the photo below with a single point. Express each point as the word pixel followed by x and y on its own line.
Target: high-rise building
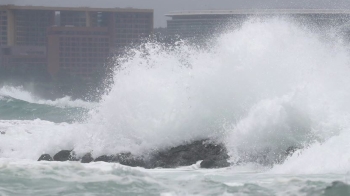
pixel 77 41
pixel 79 51
pixel 203 23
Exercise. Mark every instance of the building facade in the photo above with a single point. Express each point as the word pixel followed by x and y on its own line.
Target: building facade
pixel 80 51
pixel 191 24
pixel 77 41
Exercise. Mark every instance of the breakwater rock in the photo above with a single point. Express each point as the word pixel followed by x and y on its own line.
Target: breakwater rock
pixel 212 155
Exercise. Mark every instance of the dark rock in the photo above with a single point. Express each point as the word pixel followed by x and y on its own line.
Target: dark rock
pixel 213 163
pixel 214 156
pixel 123 158
pixel 45 157
pixel 65 155
pixel 189 154
pixel 2 132
pixel 129 160
pixel 87 158
pixel 104 158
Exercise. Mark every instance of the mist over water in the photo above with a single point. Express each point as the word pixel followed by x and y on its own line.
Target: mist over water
pixel 260 89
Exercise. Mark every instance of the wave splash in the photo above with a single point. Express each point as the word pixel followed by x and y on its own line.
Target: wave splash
pixel 261 89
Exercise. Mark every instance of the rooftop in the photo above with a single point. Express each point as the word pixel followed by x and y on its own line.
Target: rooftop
pixel 16 7
pixel 259 11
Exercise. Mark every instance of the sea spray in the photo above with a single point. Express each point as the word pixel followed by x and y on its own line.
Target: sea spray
pixel 261 89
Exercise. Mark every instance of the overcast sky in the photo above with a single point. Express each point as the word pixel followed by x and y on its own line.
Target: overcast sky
pixel 161 7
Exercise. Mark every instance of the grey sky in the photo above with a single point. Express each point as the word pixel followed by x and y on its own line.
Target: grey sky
pixel 161 7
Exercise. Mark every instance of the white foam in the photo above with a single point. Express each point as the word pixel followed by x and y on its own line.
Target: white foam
pixel 267 86
pixel 30 139
pixel 331 156
pixel 260 89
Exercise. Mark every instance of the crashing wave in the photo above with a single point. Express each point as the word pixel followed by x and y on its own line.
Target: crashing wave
pixel 263 90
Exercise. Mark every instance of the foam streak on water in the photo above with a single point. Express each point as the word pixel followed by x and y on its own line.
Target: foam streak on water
pixel 30 178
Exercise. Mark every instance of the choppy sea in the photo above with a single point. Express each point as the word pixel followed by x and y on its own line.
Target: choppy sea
pixel 260 89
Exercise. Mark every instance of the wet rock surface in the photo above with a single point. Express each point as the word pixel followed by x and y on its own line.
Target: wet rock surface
pixel 104 158
pixel 213 163
pixel 65 155
pixel 45 157
pixel 213 155
pixel 124 159
pixel 189 154
pixel 130 160
pixel 87 158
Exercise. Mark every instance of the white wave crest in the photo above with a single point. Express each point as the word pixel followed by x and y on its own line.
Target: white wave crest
pixel 21 94
pixel 261 89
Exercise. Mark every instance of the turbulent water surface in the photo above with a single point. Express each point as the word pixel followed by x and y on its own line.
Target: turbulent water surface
pixel 261 89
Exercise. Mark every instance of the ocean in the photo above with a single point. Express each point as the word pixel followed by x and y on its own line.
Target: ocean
pixel 262 89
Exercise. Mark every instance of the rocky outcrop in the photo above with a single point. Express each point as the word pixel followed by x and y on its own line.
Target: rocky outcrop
pixel 45 157
pixel 214 163
pixel 87 158
pixel 104 158
pixel 124 159
pixel 189 154
pixel 65 155
pixel 213 155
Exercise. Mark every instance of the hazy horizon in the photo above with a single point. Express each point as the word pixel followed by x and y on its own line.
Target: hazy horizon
pixel 162 7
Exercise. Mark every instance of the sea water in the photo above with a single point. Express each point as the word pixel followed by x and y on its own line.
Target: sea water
pixel 261 89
